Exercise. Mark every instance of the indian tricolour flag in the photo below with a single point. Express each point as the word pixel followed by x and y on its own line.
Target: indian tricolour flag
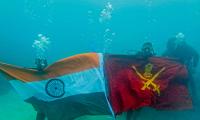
pixel 65 90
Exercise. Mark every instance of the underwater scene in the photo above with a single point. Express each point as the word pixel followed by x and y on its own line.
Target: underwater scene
pixel 99 59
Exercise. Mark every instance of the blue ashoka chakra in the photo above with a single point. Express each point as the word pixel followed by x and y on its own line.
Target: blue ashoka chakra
pixel 55 88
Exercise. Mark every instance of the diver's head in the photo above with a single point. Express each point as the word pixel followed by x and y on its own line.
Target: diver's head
pixel 41 63
pixel 147 48
pixel 180 36
pixel 175 41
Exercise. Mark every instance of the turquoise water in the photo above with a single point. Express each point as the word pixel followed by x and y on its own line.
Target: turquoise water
pixel 76 26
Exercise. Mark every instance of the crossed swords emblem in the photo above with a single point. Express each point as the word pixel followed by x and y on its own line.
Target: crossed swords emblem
pixel 148 78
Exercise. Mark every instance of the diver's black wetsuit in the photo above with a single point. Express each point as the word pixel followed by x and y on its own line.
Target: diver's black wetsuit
pixel 186 55
pixel 184 52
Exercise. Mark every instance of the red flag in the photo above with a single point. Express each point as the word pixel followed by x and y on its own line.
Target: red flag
pixel 157 82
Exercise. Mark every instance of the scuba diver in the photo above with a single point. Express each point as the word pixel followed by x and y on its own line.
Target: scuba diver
pixel 146 51
pixel 40 63
pixel 178 49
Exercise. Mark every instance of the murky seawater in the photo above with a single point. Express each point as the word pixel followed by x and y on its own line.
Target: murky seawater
pixel 55 29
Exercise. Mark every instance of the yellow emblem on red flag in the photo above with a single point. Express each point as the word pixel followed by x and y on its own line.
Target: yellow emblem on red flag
pixel 148 78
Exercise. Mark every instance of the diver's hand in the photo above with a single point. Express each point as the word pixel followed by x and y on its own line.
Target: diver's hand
pixel 133 67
